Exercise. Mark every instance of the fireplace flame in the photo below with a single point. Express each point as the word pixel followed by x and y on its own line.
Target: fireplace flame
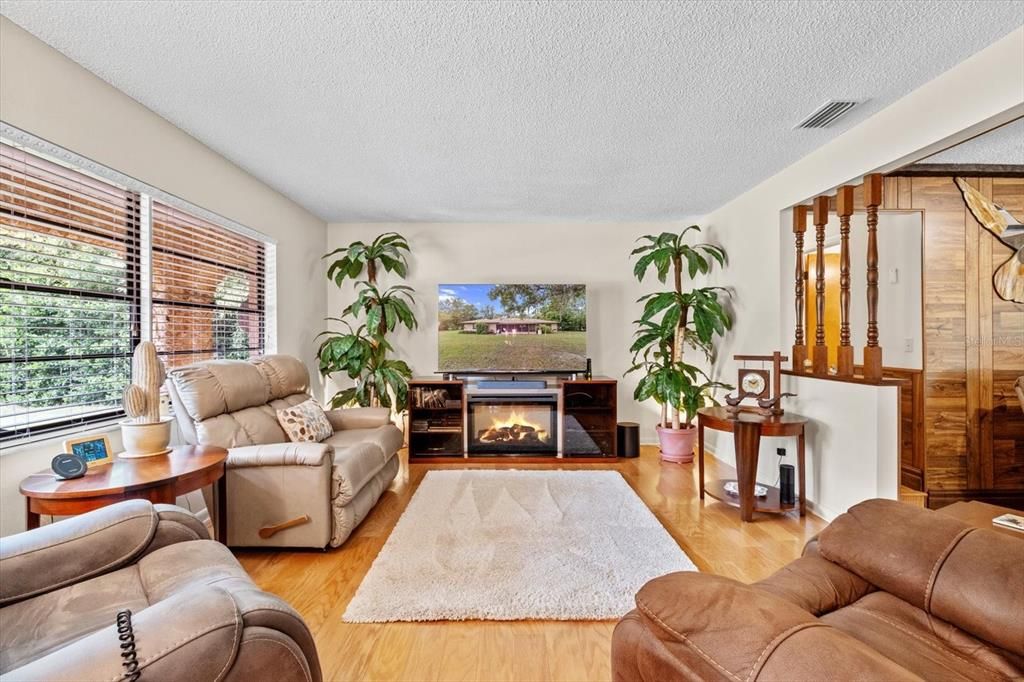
pixel 513 426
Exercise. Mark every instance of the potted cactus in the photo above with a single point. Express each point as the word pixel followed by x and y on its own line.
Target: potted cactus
pixel 145 433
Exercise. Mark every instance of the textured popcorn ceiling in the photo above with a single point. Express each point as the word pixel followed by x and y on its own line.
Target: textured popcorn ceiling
pixel 498 111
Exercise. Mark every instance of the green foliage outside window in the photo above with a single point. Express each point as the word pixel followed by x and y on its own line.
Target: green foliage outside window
pixel 51 324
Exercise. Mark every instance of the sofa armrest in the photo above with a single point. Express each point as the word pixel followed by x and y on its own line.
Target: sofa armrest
pixel 811 547
pixel 75 549
pixel 358 417
pixel 713 628
pixel 190 636
pixel 816 585
pixel 175 525
pixel 280 454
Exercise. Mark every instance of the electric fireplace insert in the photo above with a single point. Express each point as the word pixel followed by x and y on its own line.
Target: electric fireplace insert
pixel 513 425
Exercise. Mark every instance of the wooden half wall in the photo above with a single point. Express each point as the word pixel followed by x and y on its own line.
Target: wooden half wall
pixel 973 344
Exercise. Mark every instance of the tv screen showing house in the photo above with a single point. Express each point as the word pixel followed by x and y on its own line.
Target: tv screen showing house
pixel 512 327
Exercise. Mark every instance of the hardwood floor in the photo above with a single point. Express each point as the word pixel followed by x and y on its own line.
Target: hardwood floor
pixel 320 584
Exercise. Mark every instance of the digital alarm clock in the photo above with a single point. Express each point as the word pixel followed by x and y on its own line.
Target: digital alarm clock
pixel 67 466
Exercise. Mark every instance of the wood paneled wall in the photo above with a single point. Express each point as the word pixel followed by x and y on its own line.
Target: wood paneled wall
pixel 973 344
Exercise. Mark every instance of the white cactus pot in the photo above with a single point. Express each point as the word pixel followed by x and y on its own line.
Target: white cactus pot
pixel 146 440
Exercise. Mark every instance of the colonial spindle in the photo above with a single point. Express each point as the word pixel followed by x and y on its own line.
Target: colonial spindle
pixel 844 209
pixel 872 351
pixel 799 347
pixel 820 357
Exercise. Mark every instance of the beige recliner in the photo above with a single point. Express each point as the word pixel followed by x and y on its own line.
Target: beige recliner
pixel 195 614
pixel 297 494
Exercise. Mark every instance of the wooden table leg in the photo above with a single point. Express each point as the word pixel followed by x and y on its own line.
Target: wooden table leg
pixel 700 453
pixel 222 508
pixel 31 518
pixel 800 464
pixel 747 438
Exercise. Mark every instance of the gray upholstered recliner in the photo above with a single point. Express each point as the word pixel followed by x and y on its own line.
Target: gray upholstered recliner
pixel 196 615
pixel 297 494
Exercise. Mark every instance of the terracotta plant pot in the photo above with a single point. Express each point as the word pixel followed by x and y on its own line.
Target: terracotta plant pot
pixel 677 444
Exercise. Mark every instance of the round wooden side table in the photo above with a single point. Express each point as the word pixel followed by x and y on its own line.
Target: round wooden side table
pixel 747 428
pixel 159 479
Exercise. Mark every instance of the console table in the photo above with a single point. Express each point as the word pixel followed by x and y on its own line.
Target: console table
pixel 159 479
pixel 580 416
pixel 747 428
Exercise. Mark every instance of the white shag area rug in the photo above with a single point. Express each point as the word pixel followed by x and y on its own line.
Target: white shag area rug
pixel 517 545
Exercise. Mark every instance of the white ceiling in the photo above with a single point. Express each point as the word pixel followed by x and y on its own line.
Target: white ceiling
pixel 1003 146
pixel 505 111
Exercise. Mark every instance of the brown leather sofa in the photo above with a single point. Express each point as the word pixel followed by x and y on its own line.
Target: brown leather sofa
pixel 325 489
pixel 886 592
pixel 196 615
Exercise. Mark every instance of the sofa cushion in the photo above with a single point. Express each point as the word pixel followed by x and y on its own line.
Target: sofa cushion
pixel 968 576
pixel 35 627
pixel 285 374
pixel 184 565
pixel 815 585
pixel 251 426
pixel 218 386
pixel 980 588
pixel 932 648
pixel 305 422
pixel 902 560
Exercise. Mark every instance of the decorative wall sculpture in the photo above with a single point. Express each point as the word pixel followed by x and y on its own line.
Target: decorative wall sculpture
pixel 1008 279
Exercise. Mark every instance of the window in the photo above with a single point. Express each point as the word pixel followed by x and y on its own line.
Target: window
pixel 207 290
pixel 69 298
pixel 88 268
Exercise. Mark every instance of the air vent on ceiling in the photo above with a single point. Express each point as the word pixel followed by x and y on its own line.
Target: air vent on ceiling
pixel 827 114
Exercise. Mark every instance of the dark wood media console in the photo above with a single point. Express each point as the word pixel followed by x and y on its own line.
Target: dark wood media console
pixel 569 418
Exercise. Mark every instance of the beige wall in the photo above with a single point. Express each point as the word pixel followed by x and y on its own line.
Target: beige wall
pixel 595 254
pixel 48 95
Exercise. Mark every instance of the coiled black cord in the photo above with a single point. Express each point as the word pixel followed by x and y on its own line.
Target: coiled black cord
pixel 126 635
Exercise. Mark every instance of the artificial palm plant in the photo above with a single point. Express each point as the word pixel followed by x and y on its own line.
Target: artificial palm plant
pixel 672 320
pixel 362 352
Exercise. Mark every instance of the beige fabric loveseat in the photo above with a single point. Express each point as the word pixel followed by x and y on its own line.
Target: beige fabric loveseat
pixel 271 481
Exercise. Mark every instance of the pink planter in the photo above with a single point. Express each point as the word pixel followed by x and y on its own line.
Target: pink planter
pixel 677 444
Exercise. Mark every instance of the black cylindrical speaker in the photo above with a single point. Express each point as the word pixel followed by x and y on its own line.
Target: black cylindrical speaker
pixel 628 439
pixel 786 478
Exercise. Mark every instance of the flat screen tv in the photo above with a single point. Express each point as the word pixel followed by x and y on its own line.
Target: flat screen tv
pixel 508 328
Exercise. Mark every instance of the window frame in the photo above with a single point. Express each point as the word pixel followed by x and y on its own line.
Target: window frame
pixel 139 263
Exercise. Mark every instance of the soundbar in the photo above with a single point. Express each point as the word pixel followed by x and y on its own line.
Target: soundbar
pixel 528 384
